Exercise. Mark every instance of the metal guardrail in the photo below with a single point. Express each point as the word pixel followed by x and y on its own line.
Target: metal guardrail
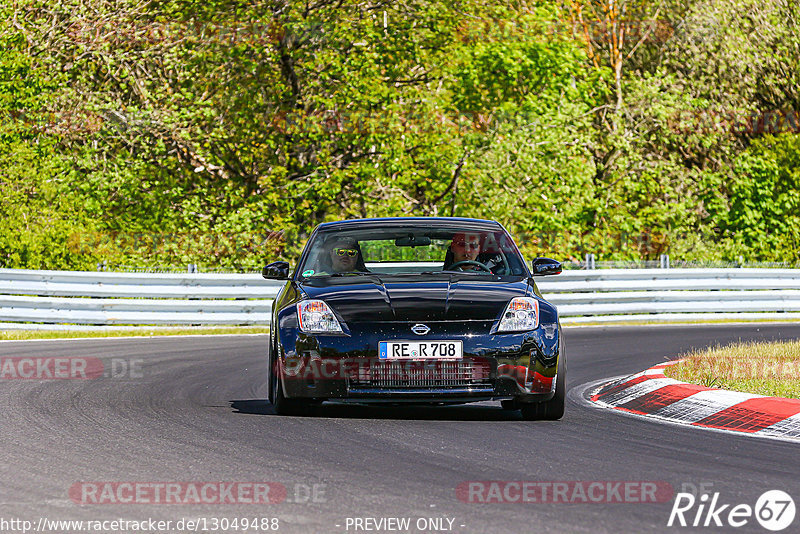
pixel 606 295
pixel 612 295
pixel 107 298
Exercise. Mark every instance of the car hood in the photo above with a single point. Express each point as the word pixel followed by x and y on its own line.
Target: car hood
pixel 372 298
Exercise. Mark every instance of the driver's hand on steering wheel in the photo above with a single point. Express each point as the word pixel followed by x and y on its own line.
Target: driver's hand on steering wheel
pixel 469 265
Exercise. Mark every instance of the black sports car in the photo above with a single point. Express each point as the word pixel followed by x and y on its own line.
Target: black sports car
pixel 423 310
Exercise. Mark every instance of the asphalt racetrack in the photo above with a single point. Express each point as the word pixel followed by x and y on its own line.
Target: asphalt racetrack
pixel 193 410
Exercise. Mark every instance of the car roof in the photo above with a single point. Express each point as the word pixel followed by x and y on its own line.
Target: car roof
pixel 383 222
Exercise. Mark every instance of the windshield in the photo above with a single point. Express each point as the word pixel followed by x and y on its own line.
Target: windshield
pixel 410 250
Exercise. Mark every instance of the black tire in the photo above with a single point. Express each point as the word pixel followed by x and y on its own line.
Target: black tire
pixel 553 409
pixel 509 404
pixel 282 405
pixel 271 376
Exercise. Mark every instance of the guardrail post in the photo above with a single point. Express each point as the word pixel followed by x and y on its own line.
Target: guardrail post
pixel 590 261
pixel 665 261
pixel 191 268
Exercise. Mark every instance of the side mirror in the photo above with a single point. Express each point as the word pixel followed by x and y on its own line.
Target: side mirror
pixel 278 270
pixel 545 266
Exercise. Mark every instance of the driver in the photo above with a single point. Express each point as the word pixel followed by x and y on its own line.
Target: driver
pixel 466 247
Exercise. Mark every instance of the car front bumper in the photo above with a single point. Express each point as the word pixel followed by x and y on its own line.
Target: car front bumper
pixel 520 366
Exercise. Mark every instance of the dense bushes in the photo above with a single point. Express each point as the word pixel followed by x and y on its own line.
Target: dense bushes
pixel 182 133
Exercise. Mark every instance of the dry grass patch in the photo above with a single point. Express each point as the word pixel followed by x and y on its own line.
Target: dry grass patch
pixel 771 369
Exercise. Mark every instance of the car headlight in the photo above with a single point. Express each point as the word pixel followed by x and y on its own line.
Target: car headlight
pixel 315 316
pixel 522 313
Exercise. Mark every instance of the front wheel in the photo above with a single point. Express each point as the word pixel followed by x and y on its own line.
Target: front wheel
pixel 283 405
pixel 510 404
pixel 553 409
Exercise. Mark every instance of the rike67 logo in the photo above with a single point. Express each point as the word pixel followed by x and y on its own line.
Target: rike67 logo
pixel 774 510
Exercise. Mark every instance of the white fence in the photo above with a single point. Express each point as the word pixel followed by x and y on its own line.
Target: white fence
pixel 38 298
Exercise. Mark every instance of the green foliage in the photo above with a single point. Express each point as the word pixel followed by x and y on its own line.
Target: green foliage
pixel 221 132
pixel 39 220
pixel 39 217
pixel 764 215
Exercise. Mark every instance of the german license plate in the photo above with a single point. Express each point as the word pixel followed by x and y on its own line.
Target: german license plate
pixel 419 350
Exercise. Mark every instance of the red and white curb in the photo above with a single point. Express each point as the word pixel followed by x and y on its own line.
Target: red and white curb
pixel 650 393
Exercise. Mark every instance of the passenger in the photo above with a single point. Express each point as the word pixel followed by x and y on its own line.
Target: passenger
pixel 345 256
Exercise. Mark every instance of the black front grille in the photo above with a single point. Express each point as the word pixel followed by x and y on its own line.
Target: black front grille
pixel 422 374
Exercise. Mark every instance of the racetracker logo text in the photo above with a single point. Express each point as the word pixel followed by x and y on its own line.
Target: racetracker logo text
pixel 177 493
pixel 565 492
pixel 304 368
pixel 68 368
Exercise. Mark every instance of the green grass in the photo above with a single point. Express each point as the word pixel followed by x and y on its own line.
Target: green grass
pixel 771 369
pixel 15 335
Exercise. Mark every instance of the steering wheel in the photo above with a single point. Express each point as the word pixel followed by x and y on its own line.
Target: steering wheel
pixel 470 262
pixel 506 267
